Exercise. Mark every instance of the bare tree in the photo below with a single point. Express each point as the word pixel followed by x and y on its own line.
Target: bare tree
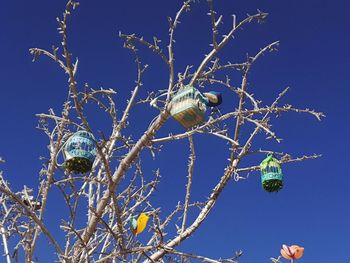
pixel 112 197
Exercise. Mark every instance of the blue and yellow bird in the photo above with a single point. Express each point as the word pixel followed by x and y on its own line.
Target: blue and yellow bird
pixel 138 225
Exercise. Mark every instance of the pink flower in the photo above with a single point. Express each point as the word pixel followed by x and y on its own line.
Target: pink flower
pixel 292 252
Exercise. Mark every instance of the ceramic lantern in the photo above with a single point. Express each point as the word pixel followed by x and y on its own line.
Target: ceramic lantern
pixel 80 152
pixel 271 174
pixel 188 107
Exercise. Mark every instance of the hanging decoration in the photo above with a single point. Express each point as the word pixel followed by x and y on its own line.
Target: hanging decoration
pixel 79 152
pixel 139 225
pixel 271 174
pixel 188 107
pixel 292 252
pixel 213 98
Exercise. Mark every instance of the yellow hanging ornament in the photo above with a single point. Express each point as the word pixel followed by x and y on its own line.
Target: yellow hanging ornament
pixel 141 224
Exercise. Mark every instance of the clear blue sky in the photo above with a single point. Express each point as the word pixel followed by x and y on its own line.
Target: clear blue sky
pixel 312 210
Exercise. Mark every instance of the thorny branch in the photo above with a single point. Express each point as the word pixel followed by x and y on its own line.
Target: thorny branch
pixel 119 187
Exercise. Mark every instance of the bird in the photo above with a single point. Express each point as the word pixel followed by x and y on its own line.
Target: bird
pixel 213 98
pixel 29 201
pixel 139 225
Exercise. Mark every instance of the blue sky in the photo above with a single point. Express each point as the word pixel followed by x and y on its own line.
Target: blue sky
pixel 313 59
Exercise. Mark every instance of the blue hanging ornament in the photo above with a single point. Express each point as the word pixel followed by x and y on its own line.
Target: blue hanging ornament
pixel 79 152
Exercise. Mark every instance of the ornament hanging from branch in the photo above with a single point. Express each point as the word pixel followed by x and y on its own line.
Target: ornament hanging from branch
pixel 271 174
pixel 79 152
pixel 139 225
pixel 189 105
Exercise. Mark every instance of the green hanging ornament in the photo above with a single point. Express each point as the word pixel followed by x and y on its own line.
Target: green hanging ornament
pixel 271 174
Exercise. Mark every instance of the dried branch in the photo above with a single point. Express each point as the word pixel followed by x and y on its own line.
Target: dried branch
pixel 114 195
pixel 191 162
pixel 286 158
pixel 258 17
